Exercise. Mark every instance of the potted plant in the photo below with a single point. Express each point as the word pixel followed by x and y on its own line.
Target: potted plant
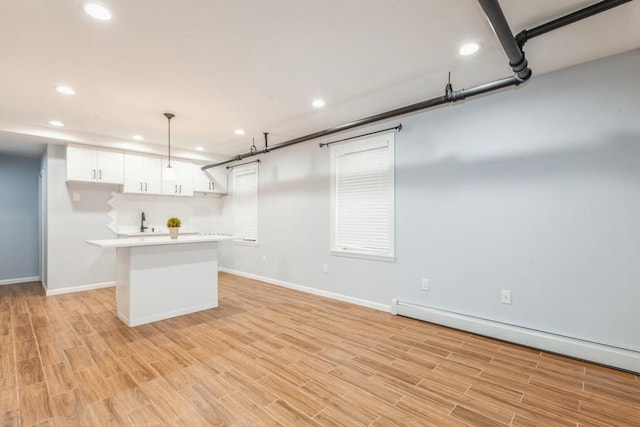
pixel 173 224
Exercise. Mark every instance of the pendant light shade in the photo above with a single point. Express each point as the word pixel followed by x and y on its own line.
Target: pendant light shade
pixel 169 172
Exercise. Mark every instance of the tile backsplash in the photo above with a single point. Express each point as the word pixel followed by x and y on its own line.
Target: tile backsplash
pixel 201 213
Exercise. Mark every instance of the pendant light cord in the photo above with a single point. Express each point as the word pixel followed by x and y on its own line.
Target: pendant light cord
pixel 169 116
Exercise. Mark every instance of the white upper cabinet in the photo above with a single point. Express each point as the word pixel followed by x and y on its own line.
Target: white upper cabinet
pixel 142 174
pixel 182 185
pixel 88 164
pixel 210 182
pixel 219 182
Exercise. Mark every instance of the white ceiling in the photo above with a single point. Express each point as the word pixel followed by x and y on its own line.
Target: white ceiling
pixel 257 64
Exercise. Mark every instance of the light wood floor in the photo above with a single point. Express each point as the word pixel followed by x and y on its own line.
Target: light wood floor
pixel 272 356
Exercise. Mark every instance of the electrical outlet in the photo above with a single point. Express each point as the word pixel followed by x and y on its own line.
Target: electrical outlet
pixel 505 297
pixel 425 284
pixel 325 268
pixel 264 259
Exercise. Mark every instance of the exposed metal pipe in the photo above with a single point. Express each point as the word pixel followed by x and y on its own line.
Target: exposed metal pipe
pixel 449 96
pixel 517 60
pixel 458 95
pixel 512 48
pixel 523 36
pixel 341 128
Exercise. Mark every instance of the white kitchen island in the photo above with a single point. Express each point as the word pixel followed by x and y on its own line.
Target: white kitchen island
pixel 158 277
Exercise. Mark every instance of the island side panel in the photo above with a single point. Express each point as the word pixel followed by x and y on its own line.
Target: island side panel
pixel 171 280
pixel 123 268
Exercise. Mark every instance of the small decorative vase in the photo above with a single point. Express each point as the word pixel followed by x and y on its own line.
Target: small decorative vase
pixel 173 231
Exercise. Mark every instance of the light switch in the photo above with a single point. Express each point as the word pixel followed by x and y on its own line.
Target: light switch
pixel 76 197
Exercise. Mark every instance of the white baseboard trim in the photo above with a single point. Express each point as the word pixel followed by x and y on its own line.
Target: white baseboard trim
pixel 599 353
pixel 19 280
pixel 309 290
pixel 82 288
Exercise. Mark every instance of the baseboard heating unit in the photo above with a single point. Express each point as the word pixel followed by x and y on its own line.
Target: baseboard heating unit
pixel 616 357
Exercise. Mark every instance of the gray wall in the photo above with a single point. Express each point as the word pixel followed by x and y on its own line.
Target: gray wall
pixel 71 261
pixel 19 230
pixel 535 190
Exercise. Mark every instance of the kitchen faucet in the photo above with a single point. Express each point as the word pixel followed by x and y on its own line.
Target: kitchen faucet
pixel 142 220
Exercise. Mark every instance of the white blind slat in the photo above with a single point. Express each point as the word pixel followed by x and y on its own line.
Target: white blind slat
pixel 363 198
pixel 246 202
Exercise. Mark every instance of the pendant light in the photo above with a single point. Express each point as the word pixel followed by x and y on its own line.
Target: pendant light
pixel 169 173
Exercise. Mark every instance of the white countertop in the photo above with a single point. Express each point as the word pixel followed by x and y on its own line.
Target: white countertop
pixel 151 233
pixel 155 240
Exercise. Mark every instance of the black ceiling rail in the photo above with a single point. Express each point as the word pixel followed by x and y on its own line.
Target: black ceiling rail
pixel 525 35
pixel 242 164
pixel 512 48
pixel 375 132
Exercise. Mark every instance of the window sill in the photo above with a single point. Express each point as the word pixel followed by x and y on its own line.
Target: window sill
pixel 246 243
pixel 363 255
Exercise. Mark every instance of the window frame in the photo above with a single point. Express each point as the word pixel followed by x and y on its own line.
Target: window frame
pixel 246 170
pixel 362 145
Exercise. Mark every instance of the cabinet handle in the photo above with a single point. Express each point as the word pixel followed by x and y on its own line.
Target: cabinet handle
pixel 145 186
pixel 140 185
pixel 180 188
pixel 213 186
pixel 175 189
pixel 100 174
pixel 94 173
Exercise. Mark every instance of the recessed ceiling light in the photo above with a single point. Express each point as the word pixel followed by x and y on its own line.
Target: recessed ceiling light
pixel 469 49
pixel 65 90
pixel 97 11
pixel 138 137
pixel 199 148
pixel 318 103
pixel 239 131
pixel 57 123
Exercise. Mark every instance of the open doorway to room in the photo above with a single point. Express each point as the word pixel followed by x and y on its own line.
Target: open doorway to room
pixel 20 214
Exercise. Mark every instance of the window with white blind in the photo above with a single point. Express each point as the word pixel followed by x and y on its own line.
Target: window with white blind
pixel 362 198
pixel 245 196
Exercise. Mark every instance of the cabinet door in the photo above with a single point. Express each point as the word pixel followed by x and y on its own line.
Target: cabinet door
pixel 185 178
pixel 219 182
pixel 210 182
pixel 81 164
pixel 110 167
pixel 141 174
pixel 183 184
pixel 202 182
